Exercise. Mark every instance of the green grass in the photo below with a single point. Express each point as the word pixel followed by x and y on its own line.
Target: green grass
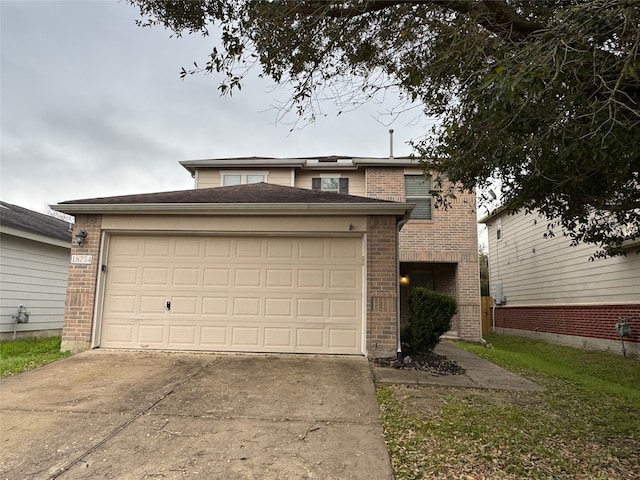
pixel 25 354
pixel 586 424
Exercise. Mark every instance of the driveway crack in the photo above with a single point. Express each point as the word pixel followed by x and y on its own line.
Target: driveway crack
pixel 122 427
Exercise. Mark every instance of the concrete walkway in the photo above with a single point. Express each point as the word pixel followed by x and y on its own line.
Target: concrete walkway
pixel 479 373
pixel 107 414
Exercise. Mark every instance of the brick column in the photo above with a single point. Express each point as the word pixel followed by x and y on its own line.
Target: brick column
pixel 382 332
pixel 81 289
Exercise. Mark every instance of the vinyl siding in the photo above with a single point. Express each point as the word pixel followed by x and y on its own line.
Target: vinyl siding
pixel 33 274
pixel 538 271
pixel 356 180
pixel 210 177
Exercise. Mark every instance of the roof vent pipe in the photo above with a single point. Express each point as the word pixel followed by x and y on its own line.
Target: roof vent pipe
pixel 391 144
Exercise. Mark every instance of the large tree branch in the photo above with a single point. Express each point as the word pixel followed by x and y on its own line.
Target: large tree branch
pixel 494 15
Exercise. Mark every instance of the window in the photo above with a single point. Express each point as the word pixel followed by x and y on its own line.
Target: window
pixel 417 189
pixel 331 184
pixel 237 178
pixel 498 229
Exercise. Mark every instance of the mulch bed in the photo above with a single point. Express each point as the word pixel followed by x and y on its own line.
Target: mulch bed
pixel 425 362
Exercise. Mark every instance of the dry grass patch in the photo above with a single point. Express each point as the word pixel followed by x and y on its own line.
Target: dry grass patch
pixel 579 428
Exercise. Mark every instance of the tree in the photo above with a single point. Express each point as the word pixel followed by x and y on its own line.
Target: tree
pixel 542 97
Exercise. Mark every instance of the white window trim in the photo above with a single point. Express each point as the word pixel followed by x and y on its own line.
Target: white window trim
pixel 243 175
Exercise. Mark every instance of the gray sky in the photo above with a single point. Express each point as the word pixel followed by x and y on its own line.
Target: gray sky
pixel 93 105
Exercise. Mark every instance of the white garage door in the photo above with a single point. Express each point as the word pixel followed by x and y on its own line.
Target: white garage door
pixel 246 294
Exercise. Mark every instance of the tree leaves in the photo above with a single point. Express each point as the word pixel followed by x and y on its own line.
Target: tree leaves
pixel 541 97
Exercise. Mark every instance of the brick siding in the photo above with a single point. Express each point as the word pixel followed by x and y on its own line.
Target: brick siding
pixel 450 237
pixel 81 289
pixel 381 287
pixel 592 321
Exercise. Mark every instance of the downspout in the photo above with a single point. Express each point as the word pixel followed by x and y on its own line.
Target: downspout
pixel 400 224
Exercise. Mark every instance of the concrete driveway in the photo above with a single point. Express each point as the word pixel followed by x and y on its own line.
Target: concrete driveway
pixel 135 415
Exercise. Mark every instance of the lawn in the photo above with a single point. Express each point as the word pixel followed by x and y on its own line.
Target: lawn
pixel 585 425
pixel 24 354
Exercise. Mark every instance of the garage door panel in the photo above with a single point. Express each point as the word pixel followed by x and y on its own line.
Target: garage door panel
pixel 183 336
pixel 152 305
pixel 218 306
pixel 157 247
pixel 311 278
pixel 279 278
pixel 341 279
pixel 188 248
pixel 278 307
pixel 263 294
pixel 151 334
pixel 155 276
pixel 186 277
pixel 243 307
pixel 216 277
pixel 124 276
pixel 278 337
pixel 247 277
pixel 245 336
pixel 218 248
pixel 184 305
pixel 215 337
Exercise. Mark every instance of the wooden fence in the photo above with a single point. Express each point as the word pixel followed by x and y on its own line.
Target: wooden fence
pixel 485 305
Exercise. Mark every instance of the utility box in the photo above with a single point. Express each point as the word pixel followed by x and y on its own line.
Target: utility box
pixel 623 329
pixel 498 299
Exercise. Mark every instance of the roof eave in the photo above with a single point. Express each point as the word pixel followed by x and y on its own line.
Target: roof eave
pixel 301 209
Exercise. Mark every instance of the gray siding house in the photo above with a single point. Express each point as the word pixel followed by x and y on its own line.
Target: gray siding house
pixel 34 266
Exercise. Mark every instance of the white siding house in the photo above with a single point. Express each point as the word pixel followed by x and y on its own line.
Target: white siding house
pixel 34 265
pixel 548 289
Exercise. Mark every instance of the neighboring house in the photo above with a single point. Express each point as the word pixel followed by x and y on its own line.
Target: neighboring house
pixel 271 255
pixel 547 289
pixel 34 266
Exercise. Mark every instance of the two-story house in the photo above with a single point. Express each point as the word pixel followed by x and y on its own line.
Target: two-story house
pixel 303 255
pixel 547 289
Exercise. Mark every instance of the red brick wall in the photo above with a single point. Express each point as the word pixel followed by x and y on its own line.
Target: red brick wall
pixel 81 289
pixel 381 287
pixel 594 321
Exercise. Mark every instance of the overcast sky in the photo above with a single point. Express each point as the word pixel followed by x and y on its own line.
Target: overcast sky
pixel 93 105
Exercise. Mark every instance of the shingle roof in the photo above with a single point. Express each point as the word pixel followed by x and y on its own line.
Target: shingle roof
pixel 252 193
pixel 26 220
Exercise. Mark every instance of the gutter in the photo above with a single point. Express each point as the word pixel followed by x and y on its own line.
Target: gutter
pixel 399 225
pixel 238 208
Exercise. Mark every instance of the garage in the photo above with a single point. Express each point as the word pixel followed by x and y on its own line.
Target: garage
pixel 244 268
pixel 232 293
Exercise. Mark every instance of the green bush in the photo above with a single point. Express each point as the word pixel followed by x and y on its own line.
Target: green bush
pixel 430 315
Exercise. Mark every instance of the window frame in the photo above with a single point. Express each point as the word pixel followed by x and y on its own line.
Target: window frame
pixel 244 176
pixel 343 183
pixel 425 199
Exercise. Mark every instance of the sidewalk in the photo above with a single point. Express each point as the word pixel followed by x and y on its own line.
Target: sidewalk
pixel 479 373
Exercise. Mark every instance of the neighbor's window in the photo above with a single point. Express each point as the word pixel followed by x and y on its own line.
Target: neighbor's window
pixel 229 179
pixel 331 184
pixel 417 189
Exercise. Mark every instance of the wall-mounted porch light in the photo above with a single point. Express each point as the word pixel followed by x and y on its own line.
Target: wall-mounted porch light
pixel 404 279
pixel 80 236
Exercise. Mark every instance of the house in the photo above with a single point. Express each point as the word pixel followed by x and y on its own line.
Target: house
pixel 299 255
pixel 544 288
pixel 34 266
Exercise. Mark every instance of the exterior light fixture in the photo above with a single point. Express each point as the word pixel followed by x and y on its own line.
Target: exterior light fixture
pixel 80 236
pixel 404 279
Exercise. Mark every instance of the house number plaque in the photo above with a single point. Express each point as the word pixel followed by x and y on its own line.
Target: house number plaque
pixel 82 259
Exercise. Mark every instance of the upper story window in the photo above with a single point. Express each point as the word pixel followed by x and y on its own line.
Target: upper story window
pixel 417 189
pixel 499 229
pixel 241 178
pixel 331 184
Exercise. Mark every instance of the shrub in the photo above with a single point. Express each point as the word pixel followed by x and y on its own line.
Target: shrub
pixel 430 315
